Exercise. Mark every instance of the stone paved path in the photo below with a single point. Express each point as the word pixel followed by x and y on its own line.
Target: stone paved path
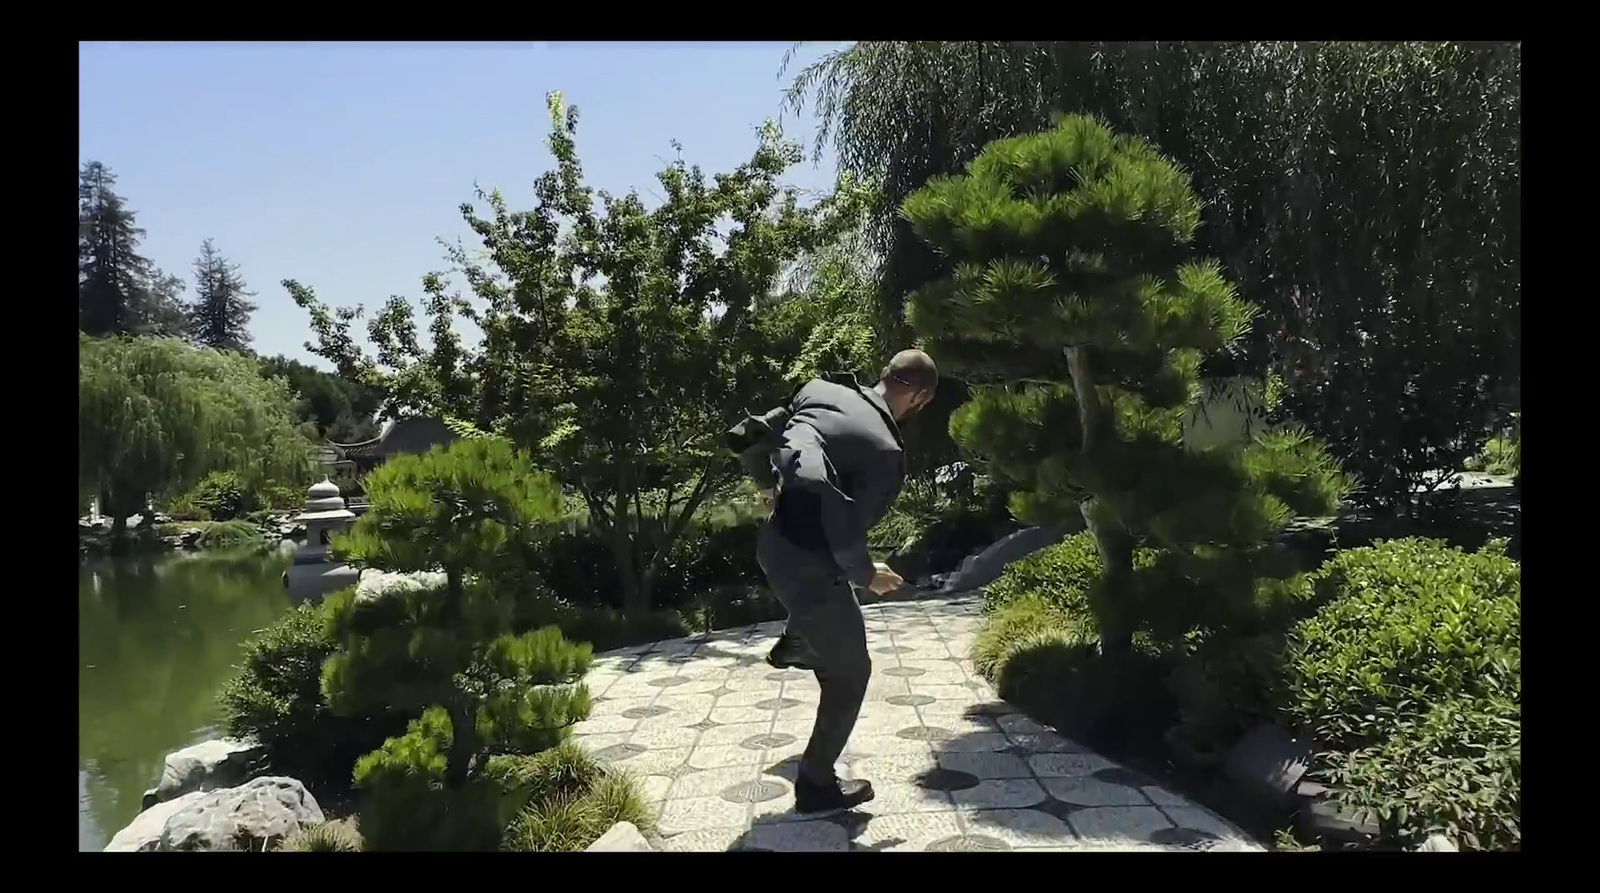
pixel 713 733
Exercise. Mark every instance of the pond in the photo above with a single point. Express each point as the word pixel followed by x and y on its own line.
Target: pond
pixel 157 637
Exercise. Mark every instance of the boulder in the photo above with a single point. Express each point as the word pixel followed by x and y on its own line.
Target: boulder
pixel 1328 822
pixel 375 583
pixel 206 766
pixel 143 834
pixel 986 566
pixel 254 817
pixel 1269 763
pixel 190 536
pixel 1438 843
pixel 623 837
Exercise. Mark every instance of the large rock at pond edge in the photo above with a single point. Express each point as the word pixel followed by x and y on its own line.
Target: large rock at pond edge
pixel 206 766
pixel 255 816
pixel 986 566
pixel 624 837
pixel 375 583
pixel 143 834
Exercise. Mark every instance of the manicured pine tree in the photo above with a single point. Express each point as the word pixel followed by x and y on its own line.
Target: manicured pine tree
pixel 1077 310
pixel 448 654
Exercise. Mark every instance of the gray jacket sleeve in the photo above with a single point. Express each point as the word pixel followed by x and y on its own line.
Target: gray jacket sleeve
pixel 844 520
pixel 756 460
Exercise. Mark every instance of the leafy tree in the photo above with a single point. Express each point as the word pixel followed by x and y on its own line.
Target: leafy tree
pixel 342 411
pixel 1076 303
pixel 154 415
pixel 824 318
pixel 165 315
pixel 113 278
pixel 220 315
pixel 617 340
pixel 447 654
pixel 1339 182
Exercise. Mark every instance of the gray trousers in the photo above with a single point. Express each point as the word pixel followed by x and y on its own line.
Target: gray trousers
pixel 824 614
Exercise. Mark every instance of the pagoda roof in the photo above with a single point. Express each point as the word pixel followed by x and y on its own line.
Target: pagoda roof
pixel 413 435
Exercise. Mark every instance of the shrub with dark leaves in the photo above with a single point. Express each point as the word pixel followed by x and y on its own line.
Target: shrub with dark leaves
pixel 1410 679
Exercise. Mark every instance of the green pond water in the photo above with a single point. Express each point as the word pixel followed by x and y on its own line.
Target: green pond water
pixel 157 637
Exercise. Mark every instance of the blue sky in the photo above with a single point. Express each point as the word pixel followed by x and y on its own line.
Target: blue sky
pixel 340 165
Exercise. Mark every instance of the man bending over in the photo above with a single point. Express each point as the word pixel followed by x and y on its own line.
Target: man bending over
pixel 837 466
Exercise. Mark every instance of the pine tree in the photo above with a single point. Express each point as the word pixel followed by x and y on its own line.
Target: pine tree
pixel 112 276
pixel 119 290
pixel 220 316
pixel 486 696
pixel 162 311
pixel 1076 310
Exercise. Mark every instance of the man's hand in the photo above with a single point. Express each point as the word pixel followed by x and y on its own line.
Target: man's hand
pixel 886 581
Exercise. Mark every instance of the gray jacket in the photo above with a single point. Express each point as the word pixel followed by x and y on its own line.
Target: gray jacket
pixel 838 464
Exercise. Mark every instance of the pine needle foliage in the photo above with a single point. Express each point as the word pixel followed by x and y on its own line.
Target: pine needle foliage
pixel 1077 307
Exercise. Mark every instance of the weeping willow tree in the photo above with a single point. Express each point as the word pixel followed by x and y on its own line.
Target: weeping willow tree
pixel 155 415
pixel 1078 308
pixel 1366 196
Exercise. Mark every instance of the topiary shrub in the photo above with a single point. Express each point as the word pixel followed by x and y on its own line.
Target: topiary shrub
pixel 1077 313
pixel 1059 575
pixel 1024 620
pixel 220 495
pixel 1410 679
pixel 276 697
pixel 230 535
pixel 1048 661
pixel 451 654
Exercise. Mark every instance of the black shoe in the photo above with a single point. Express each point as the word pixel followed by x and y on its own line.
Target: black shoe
pixel 811 797
pixel 788 653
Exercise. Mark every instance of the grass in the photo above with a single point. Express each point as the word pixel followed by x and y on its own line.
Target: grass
pixel 572 801
pixel 341 836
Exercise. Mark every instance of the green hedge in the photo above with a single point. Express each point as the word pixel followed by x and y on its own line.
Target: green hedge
pixel 580 568
pixel 1059 575
pixel 1401 660
pixel 1410 678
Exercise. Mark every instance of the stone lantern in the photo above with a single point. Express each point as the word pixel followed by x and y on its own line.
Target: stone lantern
pixel 314 574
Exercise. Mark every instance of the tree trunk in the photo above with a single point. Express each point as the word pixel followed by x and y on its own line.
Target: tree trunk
pixel 111 502
pixel 635 598
pixel 1110 536
pixel 1116 580
pixel 463 745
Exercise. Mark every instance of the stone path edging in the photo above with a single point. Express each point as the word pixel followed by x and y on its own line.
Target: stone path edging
pixel 713 735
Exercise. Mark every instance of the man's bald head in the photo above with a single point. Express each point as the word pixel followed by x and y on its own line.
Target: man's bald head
pixel 909 382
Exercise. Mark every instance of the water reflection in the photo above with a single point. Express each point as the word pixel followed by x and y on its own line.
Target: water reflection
pixel 156 639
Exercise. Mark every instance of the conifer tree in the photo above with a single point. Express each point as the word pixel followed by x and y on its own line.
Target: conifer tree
pixel 220 315
pixel 1076 309
pixel 485 695
pixel 112 275
pixel 120 292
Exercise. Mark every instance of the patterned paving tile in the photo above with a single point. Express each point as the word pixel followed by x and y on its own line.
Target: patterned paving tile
pixel 713 736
